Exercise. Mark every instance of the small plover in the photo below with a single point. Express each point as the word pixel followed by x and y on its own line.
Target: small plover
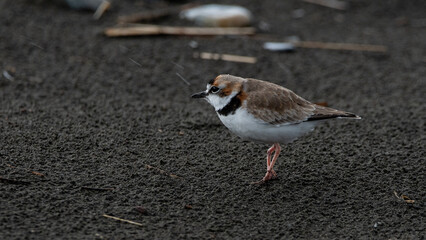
pixel 264 112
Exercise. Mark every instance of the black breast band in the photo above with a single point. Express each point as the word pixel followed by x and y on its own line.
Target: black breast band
pixel 231 107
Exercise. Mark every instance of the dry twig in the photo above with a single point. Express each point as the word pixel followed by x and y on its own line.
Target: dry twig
pixel 342 46
pixel 183 79
pixel 326 45
pixel 122 220
pixel 105 5
pixel 405 198
pixel 96 189
pixel 135 62
pixel 225 57
pixel 145 29
pixel 31 171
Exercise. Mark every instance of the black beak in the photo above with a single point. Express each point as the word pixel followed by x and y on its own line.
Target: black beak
pixel 199 95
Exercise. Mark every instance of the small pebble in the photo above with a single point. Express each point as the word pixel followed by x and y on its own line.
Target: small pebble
pixel 193 44
pixel 217 15
pixel 279 46
pixel 7 75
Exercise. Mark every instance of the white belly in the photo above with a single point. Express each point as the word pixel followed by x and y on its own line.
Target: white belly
pixel 247 127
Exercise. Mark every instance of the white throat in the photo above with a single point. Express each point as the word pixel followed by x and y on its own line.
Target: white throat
pixel 220 102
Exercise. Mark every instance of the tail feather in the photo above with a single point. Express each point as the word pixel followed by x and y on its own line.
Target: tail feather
pixel 321 113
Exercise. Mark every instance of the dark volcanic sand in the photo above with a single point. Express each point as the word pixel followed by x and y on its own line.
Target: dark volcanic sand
pixel 83 113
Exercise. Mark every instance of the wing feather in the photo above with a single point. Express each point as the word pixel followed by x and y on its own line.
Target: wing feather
pixel 277 105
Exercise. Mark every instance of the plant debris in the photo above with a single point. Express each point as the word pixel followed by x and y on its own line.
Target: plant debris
pixel 96 189
pixel 28 170
pixel 405 198
pixel 225 57
pixel 147 29
pixel 122 220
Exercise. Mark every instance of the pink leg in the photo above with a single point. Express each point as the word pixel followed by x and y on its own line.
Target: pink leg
pixel 277 153
pixel 270 173
pixel 269 154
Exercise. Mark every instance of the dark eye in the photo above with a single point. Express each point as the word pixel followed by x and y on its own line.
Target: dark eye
pixel 214 89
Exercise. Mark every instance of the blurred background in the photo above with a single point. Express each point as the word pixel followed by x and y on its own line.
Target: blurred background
pixel 96 118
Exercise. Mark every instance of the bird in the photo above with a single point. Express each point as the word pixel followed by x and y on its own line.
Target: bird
pixel 265 112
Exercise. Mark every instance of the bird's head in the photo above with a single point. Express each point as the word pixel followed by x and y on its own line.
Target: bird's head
pixel 221 90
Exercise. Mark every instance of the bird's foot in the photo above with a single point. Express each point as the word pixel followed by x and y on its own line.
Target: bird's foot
pixel 270 174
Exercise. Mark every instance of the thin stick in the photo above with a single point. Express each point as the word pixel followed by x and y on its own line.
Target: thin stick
pixel 183 79
pixel 37 173
pixel 236 58
pixel 403 197
pixel 144 29
pixel 225 57
pixel 161 171
pixel 335 4
pixel 13 181
pixel 342 46
pixel 178 65
pixel 325 45
pixel 33 172
pixel 35 45
pixel 101 9
pixel 97 189
pixel 135 62
pixel 123 220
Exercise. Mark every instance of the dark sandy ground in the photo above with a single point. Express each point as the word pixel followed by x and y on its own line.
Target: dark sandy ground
pixel 81 112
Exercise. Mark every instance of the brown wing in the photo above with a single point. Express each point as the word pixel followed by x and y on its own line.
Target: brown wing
pixel 275 104
pixel 278 105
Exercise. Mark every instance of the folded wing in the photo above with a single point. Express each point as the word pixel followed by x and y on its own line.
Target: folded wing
pixel 277 105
